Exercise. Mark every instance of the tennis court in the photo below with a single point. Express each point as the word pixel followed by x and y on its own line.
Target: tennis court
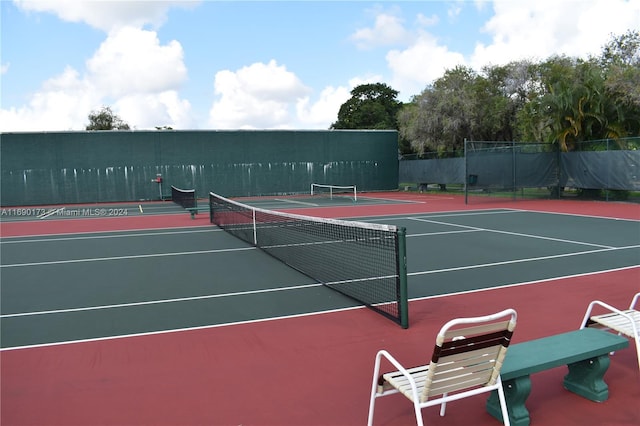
pixel 158 310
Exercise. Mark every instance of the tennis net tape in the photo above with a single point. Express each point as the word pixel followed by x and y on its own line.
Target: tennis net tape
pixel 364 261
pixel 184 197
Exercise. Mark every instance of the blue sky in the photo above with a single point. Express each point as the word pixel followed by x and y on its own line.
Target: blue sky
pixel 264 64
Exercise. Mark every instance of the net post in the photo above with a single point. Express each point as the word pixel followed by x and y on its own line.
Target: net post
pixel 255 231
pixel 211 219
pixel 403 305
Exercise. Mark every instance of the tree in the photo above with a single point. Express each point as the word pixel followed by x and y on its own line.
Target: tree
pixel 620 61
pixel 581 100
pixel 105 119
pixel 371 106
pixel 562 100
pixel 461 105
pixel 437 120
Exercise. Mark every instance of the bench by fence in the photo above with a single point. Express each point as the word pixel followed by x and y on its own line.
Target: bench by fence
pixel 585 352
pixel 193 211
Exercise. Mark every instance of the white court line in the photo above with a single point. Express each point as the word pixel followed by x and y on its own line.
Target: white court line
pixel 297 202
pixel 428 234
pixel 464 213
pixel 397 201
pixel 471 229
pixel 8 239
pixel 158 302
pixel 242 293
pixel 177 330
pixel 434 215
pixel 530 259
pixel 137 256
pixel 98 237
pixel 518 234
pixel 575 214
pixel 563 277
pixel 207 327
pixel 190 298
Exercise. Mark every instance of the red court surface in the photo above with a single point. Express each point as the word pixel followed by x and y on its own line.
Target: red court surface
pixel 311 370
pixel 418 203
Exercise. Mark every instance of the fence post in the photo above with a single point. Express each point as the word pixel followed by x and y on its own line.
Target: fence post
pixel 466 177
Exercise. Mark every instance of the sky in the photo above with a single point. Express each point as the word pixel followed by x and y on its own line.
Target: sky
pixel 264 64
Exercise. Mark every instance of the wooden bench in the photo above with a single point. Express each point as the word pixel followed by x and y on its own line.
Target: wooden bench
pixel 585 352
pixel 193 211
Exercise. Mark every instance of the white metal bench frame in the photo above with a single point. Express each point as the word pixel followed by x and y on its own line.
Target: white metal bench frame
pixel 466 361
pixel 624 322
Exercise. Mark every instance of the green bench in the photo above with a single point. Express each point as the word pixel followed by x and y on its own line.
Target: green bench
pixel 193 211
pixel 585 352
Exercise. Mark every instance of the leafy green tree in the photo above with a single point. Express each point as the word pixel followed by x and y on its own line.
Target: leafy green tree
pixel 437 120
pixel 509 89
pixel 622 50
pixel 620 61
pixel 569 102
pixel 578 101
pixel 371 106
pixel 561 100
pixel 460 105
pixel 106 119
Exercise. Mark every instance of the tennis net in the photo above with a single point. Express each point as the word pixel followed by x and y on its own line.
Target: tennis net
pixel 184 197
pixel 331 191
pixel 364 261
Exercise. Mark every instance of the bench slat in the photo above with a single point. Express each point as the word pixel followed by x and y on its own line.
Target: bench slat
pixel 554 351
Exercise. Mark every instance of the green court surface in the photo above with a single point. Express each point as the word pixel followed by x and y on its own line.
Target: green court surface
pixel 64 288
pixel 306 201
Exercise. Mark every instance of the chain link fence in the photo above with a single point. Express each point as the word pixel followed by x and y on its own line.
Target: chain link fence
pixel 602 169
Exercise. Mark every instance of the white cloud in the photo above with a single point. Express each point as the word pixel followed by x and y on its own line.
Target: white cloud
pixel 419 64
pixel 268 96
pixel 155 110
pixel 427 21
pixel 535 29
pixel 256 96
pixel 140 77
pixel 387 30
pixel 482 4
pixel 132 60
pixel 63 103
pixel 106 15
pixel 454 11
pixel 420 60
pixel 366 79
pixel 538 29
pixel 130 71
pixel 324 112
